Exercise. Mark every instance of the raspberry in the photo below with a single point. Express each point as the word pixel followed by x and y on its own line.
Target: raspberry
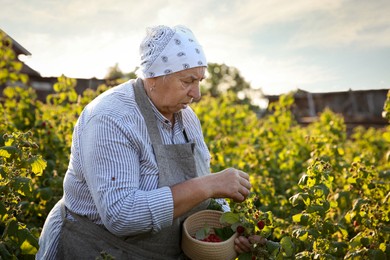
pixel 260 224
pixel 212 238
pixel 240 229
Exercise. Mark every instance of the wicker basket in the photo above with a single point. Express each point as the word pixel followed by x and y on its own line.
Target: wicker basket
pixel 200 250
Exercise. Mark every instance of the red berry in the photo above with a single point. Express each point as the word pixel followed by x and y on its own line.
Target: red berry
pixel 260 224
pixel 212 238
pixel 355 223
pixel 240 229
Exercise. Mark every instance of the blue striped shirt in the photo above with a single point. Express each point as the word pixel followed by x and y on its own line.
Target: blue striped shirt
pixel 112 177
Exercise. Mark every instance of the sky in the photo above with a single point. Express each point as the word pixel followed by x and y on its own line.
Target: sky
pixel 277 45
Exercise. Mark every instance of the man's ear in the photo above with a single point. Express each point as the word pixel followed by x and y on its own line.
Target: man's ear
pixel 150 83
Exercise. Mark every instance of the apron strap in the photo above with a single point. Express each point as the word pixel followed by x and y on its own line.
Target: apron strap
pixel 147 111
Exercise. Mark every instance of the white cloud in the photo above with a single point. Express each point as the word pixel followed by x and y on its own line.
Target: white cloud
pixel 364 24
pixel 243 18
pixel 328 23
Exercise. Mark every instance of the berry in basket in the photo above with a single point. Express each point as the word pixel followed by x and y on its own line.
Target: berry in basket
pixel 208 234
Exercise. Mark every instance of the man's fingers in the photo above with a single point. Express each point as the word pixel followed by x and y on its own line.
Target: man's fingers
pixel 243 174
pixel 246 184
pixel 257 239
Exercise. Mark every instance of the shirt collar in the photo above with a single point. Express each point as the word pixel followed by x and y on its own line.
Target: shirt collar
pixel 166 122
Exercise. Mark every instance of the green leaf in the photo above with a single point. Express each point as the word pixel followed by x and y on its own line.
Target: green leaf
pixel 294 200
pixel 268 215
pixel 302 235
pixel 45 193
pixel 382 246
pixel 311 182
pixel 4 253
pixel 272 246
pixel 37 165
pixel 355 241
pixel 28 248
pixel 343 230
pixel 365 241
pixel 358 203
pixel 313 232
pixel 245 256
pixel 202 233
pixel 4 153
pixel 301 218
pixel 229 218
pixel 340 248
pixel 22 185
pixel 316 208
pixel 28 243
pixel 297 217
pixel 7 151
pixel 224 233
pixel 9 143
pixel 3 174
pixel 300 197
pixel 321 190
pixel 3 209
pixel 288 246
pixel 304 255
pixel 12 228
pixel 376 254
pixel 326 205
pixel 303 181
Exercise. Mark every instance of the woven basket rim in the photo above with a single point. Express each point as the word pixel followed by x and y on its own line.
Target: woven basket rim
pixel 210 213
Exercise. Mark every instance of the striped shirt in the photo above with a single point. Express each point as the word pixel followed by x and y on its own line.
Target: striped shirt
pixel 112 177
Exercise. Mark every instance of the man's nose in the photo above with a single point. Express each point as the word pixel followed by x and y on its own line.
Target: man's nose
pixel 195 91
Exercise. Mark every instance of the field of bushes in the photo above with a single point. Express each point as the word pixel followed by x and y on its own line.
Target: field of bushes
pixel 328 192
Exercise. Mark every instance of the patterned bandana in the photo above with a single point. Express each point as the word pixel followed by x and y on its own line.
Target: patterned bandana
pixel 167 50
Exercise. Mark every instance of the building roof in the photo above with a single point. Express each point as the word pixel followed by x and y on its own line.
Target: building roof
pixel 18 49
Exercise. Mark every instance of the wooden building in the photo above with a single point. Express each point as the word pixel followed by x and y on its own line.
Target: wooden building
pixel 44 85
pixel 358 107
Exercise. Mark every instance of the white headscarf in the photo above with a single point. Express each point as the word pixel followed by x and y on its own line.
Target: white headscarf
pixel 166 50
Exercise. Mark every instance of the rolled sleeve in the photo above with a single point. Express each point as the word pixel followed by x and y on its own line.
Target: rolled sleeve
pixel 160 202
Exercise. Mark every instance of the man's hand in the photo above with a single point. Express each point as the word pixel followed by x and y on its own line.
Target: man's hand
pixel 243 244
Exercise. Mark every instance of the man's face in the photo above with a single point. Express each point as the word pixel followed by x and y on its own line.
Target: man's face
pixel 177 90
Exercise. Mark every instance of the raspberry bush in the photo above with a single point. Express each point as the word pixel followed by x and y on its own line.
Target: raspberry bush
pixel 318 193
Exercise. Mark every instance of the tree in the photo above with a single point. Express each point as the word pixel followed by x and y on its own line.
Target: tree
pixel 115 75
pixel 222 78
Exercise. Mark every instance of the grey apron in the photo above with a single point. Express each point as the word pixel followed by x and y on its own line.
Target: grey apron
pixel 82 239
